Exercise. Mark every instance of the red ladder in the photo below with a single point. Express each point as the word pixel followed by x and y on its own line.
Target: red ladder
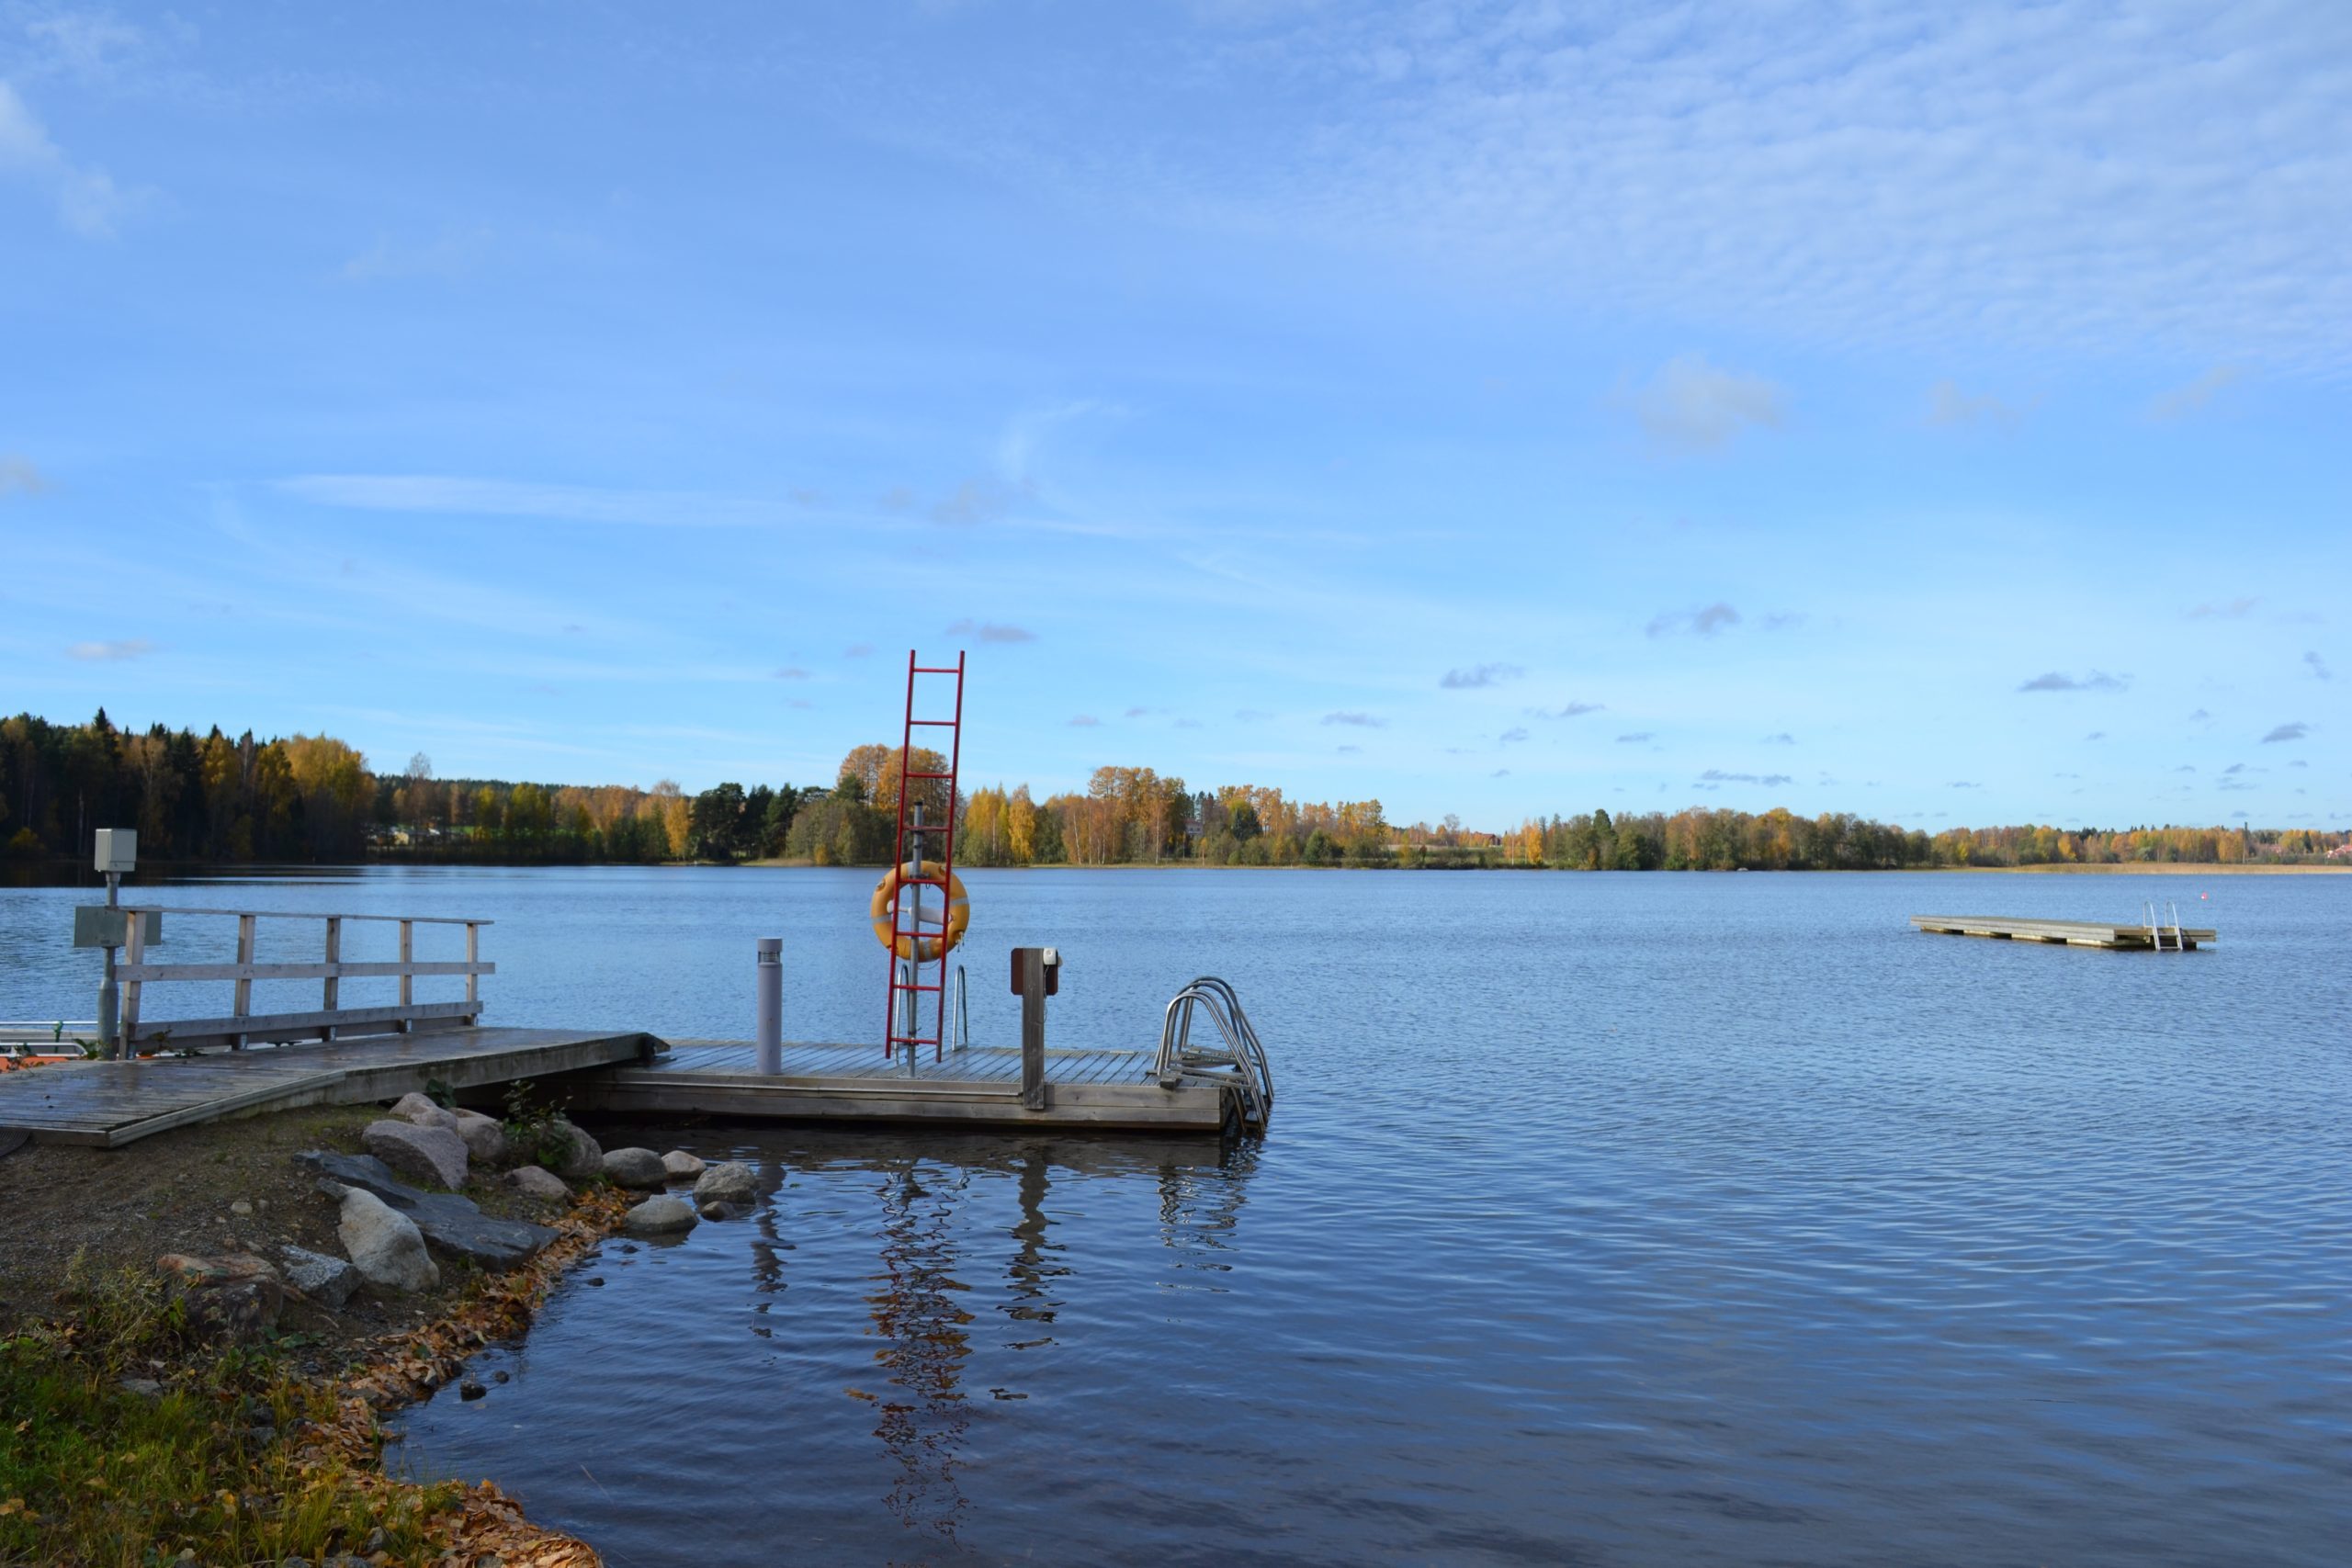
pixel 907 985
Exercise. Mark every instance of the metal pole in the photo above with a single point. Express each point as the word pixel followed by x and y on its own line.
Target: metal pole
pixel 769 1031
pixel 914 922
pixel 109 1011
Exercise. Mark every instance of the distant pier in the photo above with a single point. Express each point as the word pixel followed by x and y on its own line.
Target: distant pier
pixel 2162 936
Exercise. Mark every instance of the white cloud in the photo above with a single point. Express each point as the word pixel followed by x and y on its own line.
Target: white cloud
pixel 18 477
pixel 2197 395
pixel 111 652
pixel 1692 406
pixel 88 202
pixel 1950 407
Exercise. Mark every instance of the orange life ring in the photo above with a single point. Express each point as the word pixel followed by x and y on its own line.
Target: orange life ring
pixel 884 910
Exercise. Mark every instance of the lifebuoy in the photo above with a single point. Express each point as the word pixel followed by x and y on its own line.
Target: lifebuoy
pixel 884 910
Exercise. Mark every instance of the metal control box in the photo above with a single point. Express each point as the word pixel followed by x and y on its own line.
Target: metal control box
pixel 117 849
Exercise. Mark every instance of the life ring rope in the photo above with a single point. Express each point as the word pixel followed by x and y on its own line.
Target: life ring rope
pixel 884 911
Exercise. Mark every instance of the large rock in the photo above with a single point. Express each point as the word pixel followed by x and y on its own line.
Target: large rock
pixel 323 1281
pixel 659 1216
pixel 423 1112
pixel 385 1245
pixel 484 1136
pixel 680 1165
pixel 537 1182
pixel 582 1157
pixel 234 1296
pixel 422 1153
pixel 640 1168
pixel 451 1223
pixel 729 1182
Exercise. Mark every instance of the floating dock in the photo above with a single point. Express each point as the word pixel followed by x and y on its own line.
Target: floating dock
pixel 2071 933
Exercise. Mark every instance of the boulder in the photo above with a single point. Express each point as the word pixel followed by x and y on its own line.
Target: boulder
pixel 234 1296
pixel 385 1245
pixel 680 1166
pixel 715 1209
pixel 422 1153
pixel 582 1157
pixel 729 1182
pixel 484 1137
pixel 453 1225
pixel 323 1281
pixel 423 1112
pixel 640 1168
pixel 659 1216
pixel 537 1182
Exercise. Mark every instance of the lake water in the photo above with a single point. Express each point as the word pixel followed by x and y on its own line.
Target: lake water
pixel 1608 1219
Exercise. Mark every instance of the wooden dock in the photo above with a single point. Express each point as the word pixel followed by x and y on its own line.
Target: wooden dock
pixel 108 1104
pixel 976 1086
pixel 2071 933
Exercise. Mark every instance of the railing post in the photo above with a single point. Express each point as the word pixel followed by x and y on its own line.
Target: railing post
pixel 134 952
pixel 473 981
pixel 245 924
pixel 769 1029
pixel 333 983
pixel 1033 1026
pixel 408 981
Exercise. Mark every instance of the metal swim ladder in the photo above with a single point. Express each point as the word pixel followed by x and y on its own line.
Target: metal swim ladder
pixel 1239 1063
pixel 2155 927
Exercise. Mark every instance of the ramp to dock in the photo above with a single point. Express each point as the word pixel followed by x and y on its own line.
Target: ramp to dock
pixel 108 1104
pixel 976 1087
pixel 2071 933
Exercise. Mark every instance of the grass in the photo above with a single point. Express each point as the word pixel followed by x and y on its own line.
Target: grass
pixel 235 1461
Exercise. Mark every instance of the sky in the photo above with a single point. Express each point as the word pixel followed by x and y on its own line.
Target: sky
pixel 1933 412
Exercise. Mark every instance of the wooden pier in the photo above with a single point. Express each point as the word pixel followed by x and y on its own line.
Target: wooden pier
pixel 976 1087
pixel 2070 933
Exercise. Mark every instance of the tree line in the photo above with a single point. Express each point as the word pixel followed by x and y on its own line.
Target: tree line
pixel 314 798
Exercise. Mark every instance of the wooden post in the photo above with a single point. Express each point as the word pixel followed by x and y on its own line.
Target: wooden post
pixel 134 952
pixel 408 981
pixel 473 981
pixel 1032 1028
pixel 244 1007
pixel 334 983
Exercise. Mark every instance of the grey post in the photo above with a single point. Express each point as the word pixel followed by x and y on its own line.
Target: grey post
pixel 117 852
pixel 1033 1027
pixel 769 1031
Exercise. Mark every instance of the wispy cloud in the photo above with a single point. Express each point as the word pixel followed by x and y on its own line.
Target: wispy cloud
pixel 1480 675
pixel 2318 667
pixel 792 672
pixel 109 653
pixel 431 493
pixel 452 254
pixel 2225 609
pixel 2057 681
pixel 1706 621
pixel 1771 780
pixel 1950 408
pixel 1638 736
pixel 1963 783
pixel 1783 738
pixel 18 477
pixel 1567 710
pixel 1084 721
pixel 2096 735
pixel 87 200
pixel 1361 720
pixel 2286 732
pixel 992 631
pixel 1692 406
pixel 2197 394
pixel 1510 737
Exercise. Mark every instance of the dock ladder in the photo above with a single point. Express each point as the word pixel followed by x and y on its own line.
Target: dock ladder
pixel 1239 1062
pixel 2155 926
pixel 907 986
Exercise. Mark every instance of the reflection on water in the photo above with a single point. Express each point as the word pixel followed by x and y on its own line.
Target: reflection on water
pixel 918 1316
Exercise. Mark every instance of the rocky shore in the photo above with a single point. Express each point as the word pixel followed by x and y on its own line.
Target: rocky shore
pixel 333 1264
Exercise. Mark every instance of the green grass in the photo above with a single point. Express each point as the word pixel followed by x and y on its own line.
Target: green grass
pixel 92 1473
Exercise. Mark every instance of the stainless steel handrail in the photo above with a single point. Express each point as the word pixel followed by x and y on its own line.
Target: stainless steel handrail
pixel 1179 1058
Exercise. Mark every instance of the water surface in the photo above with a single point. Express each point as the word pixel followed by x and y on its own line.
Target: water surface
pixel 1617 1219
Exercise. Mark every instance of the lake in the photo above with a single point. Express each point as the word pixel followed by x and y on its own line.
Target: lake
pixel 1604 1218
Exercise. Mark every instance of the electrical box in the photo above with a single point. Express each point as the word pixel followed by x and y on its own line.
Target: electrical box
pixel 117 849
pixel 1052 960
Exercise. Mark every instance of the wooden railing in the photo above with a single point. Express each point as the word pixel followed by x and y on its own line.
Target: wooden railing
pixel 243 1025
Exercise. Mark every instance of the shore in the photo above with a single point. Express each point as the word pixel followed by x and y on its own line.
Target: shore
pixel 283 1426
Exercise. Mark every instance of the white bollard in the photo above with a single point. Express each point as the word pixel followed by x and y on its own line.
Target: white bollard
pixel 769 1032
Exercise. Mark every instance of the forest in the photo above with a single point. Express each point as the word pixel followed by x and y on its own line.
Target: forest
pixel 314 799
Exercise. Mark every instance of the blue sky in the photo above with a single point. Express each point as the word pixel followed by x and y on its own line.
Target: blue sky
pixel 1932 412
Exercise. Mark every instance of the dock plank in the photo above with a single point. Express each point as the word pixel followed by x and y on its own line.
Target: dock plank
pixel 2116 936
